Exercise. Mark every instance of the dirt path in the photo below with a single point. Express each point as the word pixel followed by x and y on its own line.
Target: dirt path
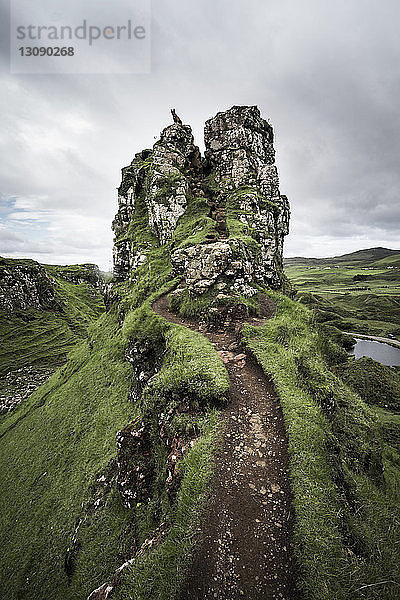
pixel 244 549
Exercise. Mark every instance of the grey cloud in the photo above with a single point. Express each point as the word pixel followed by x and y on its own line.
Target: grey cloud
pixel 326 74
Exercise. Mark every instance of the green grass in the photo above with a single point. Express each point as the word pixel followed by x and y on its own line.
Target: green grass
pixel 237 230
pixel 60 439
pixel 67 430
pixel 44 337
pixel 33 337
pixel 63 438
pixel 345 279
pixel 191 372
pixel 335 463
pixel 195 224
pixel 361 297
pixel 376 384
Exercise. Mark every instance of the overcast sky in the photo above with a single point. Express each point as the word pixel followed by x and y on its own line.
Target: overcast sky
pixel 326 74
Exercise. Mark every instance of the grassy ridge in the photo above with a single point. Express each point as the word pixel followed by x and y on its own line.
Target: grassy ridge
pixel 359 257
pixel 33 336
pixel 62 440
pixel 347 513
pixel 191 372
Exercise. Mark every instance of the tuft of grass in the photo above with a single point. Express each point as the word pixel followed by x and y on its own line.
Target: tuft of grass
pixel 191 367
pixel 189 306
pixel 194 225
pixel 375 383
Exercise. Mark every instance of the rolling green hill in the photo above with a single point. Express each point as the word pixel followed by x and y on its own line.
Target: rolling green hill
pixel 368 256
pixel 358 292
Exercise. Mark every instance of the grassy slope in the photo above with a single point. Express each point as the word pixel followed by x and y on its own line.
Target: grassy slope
pixel 71 438
pixel 347 515
pixel 63 438
pixel 45 336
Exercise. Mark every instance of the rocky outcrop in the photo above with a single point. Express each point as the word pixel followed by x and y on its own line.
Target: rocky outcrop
pixel 145 362
pixel 41 317
pixel 25 284
pixel 135 452
pixel 135 463
pixel 17 385
pixel 157 183
pixel 240 180
pixel 106 589
pixel 133 186
pixel 176 161
pixel 202 265
pixel 241 157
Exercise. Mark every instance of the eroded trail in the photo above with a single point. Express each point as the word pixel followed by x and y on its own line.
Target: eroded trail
pixel 245 546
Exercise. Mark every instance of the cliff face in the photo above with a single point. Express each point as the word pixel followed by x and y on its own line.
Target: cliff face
pixel 234 244
pixel 25 284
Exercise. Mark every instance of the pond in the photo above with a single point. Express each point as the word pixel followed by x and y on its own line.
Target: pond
pixel 379 351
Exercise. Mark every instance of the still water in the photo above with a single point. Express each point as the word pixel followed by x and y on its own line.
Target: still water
pixel 379 351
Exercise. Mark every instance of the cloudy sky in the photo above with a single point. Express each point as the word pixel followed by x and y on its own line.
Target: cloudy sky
pixel 327 75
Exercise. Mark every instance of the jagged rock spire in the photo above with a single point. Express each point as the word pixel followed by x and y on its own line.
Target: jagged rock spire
pixel 239 179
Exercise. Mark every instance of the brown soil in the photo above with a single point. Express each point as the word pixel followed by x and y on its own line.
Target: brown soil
pixel 244 548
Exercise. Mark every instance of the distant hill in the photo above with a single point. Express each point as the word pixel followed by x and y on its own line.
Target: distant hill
pixel 367 256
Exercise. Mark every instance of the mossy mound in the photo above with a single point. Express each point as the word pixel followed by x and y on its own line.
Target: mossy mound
pixel 375 383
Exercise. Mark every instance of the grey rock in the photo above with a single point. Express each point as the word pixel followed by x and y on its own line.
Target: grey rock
pixel 201 265
pixel 239 173
pixel 174 157
pixel 26 285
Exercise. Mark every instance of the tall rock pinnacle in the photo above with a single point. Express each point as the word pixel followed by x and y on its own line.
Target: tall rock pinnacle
pixel 221 218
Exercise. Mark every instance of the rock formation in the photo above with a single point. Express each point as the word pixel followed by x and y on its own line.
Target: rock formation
pixel 25 284
pixel 247 219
